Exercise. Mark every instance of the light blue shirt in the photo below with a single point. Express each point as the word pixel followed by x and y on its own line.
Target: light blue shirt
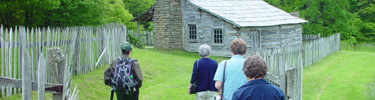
pixel 234 77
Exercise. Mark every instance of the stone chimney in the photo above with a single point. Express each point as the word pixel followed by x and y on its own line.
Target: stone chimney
pixel 168 24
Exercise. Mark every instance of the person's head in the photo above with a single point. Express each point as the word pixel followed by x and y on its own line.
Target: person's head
pixel 204 50
pixel 126 48
pixel 254 67
pixel 238 47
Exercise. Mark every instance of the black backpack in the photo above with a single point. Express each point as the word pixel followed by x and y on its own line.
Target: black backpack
pixel 123 76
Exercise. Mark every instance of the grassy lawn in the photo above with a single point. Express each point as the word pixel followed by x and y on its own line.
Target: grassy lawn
pixel 340 76
pixel 166 77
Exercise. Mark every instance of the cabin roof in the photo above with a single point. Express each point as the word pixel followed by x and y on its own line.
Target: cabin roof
pixel 246 13
pixel 241 13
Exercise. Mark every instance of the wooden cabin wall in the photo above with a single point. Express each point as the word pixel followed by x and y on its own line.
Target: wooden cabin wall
pixel 205 24
pixel 271 37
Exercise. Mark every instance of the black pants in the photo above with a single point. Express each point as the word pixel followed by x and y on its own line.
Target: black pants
pixel 132 95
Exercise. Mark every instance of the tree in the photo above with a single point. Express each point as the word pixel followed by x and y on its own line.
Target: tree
pixel 117 13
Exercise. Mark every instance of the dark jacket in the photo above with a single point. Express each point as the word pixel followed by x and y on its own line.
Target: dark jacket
pixel 111 68
pixel 258 89
pixel 204 77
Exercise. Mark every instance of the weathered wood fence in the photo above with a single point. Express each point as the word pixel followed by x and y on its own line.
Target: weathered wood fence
pixel 86 48
pixel 285 70
pixel 310 37
pixel 285 65
pixel 147 37
pixel 316 49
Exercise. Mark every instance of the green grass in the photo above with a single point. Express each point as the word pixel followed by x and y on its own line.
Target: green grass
pixel 166 77
pixel 363 47
pixel 340 76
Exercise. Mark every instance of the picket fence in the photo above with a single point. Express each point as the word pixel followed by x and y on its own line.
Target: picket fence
pixel 285 65
pixel 147 37
pixel 317 49
pixel 285 70
pixel 86 48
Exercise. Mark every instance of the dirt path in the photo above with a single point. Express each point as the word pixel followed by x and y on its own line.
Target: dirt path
pixel 324 87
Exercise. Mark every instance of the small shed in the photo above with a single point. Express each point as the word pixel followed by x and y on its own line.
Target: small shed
pixel 187 24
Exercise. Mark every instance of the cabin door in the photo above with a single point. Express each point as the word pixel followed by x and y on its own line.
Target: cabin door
pixel 255 37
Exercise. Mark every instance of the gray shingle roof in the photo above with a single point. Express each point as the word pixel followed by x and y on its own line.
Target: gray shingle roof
pixel 246 13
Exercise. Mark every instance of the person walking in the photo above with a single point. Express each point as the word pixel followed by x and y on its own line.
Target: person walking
pixel 203 73
pixel 231 68
pixel 124 71
pixel 257 88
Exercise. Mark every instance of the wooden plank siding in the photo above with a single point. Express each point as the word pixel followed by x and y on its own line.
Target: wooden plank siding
pixel 256 38
pixel 205 23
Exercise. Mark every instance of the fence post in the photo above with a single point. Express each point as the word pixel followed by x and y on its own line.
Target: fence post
pixel 148 39
pixel 26 79
pixel 77 51
pixel 57 65
pixel 41 77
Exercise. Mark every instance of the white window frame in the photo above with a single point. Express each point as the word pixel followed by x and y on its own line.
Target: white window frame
pixel 214 35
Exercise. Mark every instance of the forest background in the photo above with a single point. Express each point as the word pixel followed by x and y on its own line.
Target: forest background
pixel 354 19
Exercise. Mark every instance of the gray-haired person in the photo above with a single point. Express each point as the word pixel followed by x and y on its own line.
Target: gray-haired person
pixel 203 73
pixel 257 88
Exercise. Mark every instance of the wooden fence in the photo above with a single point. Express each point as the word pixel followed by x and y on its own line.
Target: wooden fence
pixel 86 48
pixel 315 50
pixel 285 65
pixel 310 37
pixel 285 70
pixel 147 37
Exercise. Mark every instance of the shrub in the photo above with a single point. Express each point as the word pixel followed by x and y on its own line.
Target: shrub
pixel 135 41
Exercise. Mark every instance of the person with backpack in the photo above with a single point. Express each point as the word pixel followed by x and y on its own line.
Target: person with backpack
pixel 202 77
pixel 229 76
pixel 124 75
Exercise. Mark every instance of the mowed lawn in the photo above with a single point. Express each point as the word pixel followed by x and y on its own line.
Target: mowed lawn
pixel 166 76
pixel 340 76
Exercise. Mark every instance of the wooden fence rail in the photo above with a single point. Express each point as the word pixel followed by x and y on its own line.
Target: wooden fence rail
pixel 82 46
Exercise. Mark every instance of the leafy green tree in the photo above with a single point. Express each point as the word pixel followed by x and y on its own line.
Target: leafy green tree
pixel 137 7
pixel 348 17
pixel 117 13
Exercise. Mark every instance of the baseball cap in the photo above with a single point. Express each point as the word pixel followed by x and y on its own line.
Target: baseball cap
pixel 126 46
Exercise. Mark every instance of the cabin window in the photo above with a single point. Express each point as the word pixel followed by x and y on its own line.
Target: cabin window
pixel 192 31
pixel 218 36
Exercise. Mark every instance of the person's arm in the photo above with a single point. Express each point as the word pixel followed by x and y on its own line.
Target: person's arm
pixel 138 73
pixel 189 88
pixel 108 73
pixel 218 84
pixel 218 78
pixel 194 73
